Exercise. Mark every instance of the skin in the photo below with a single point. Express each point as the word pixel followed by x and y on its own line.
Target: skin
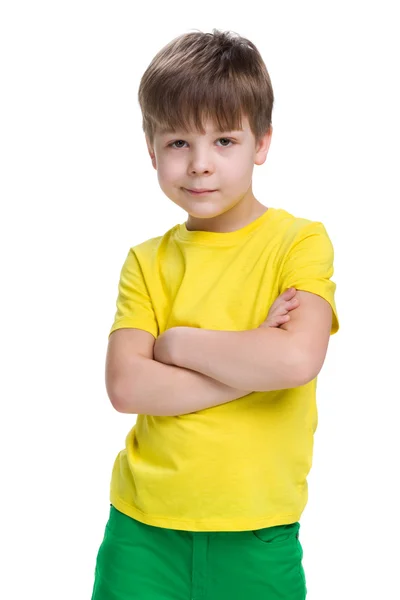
pixel 210 161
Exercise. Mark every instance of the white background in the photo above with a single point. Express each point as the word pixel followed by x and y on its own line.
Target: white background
pixel 78 190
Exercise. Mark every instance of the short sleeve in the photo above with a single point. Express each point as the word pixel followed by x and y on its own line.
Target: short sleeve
pixel 308 266
pixel 134 306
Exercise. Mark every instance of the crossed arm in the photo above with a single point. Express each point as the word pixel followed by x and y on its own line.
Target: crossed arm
pixel 194 369
pixel 261 359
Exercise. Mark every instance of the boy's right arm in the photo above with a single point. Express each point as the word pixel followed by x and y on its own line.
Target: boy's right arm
pixel 138 384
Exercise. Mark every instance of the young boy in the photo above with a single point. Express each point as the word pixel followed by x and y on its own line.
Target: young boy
pixel 207 494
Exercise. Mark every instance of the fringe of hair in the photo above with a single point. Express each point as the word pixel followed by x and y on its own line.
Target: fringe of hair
pixel 199 76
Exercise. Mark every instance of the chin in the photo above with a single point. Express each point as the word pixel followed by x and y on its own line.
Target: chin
pixel 205 214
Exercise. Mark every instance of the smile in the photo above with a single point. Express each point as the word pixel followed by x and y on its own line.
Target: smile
pixel 199 192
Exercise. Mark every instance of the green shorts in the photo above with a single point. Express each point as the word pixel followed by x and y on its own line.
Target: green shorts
pixel 141 562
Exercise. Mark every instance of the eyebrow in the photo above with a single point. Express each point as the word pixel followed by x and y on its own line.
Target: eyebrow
pixel 171 131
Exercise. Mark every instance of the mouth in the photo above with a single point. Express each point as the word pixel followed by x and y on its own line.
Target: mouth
pixel 200 192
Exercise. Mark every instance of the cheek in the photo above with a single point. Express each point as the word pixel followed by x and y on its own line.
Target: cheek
pixel 238 170
pixel 169 171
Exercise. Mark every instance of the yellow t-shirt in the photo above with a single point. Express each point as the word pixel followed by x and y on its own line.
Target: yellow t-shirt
pixel 241 465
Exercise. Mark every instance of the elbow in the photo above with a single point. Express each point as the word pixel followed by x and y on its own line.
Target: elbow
pixel 117 404
pixel 118 400
pixel 122 406
pixel 113 397
pixel 306 369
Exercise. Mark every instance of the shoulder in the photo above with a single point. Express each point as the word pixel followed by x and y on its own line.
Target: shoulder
pixel 295 229
pixel 151 245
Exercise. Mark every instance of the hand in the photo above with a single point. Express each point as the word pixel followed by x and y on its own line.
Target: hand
pixel 163 347
pixel 279 311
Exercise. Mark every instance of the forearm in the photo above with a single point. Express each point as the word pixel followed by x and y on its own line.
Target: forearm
pixel 262 359
pixel 166 390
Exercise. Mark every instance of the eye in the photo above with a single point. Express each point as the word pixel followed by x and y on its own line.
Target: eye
pixel 225 145
pixel 226 140
pixel 176 142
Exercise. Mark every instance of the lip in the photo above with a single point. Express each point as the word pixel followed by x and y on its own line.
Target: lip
pixel 199 192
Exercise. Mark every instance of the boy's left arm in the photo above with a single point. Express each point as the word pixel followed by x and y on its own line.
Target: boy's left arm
pixel 262 359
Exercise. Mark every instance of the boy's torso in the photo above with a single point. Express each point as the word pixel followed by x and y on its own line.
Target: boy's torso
pixel 240 465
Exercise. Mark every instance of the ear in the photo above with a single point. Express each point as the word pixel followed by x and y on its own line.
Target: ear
pixel 151 153
pixel 263 147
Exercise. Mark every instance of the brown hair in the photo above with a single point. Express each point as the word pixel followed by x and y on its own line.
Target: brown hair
pixel 218 75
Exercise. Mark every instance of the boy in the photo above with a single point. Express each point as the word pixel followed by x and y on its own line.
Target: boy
pixel 207 494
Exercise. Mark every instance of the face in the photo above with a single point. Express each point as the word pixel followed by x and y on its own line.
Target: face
pixel 220 162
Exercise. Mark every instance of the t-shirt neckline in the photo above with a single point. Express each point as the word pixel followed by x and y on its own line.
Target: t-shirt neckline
pixel 223 238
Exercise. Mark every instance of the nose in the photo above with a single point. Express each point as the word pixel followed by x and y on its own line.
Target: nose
pixel 200 162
